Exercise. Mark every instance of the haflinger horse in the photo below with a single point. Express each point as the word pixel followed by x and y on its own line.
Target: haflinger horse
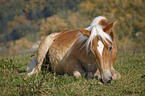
pixel 87 52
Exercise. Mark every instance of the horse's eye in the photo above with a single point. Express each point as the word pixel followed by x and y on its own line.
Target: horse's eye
pixel 110 48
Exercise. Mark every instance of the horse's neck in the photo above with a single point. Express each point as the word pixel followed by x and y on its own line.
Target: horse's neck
pixel 81 53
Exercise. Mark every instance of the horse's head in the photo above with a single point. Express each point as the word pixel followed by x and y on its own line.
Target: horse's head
pixel 101 43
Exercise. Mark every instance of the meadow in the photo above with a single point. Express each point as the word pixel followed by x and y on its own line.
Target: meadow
pixel 130 66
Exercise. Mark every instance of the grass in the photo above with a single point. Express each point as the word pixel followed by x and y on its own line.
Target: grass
pixel 131 67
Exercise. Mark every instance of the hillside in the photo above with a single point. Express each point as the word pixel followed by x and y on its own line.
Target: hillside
pixel 130 66
pixel 29 21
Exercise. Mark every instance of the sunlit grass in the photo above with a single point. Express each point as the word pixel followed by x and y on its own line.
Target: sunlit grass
pixel 131 67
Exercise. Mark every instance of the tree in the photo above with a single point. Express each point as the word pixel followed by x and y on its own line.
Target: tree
pixel 129 15
pixel 52 24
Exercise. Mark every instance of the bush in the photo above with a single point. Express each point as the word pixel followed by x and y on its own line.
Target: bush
pixel 19 46
pixel 52 24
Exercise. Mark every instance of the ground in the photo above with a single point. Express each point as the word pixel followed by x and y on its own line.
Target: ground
pixel 130 66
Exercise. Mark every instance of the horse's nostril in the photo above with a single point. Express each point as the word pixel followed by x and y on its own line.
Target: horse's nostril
pixel 110 80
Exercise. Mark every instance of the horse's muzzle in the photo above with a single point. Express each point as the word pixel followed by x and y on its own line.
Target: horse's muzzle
pixel 107 80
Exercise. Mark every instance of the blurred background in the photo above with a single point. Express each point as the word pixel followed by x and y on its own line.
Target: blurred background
pixel 24 23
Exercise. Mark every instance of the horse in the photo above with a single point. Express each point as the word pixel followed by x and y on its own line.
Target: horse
pixel 87 52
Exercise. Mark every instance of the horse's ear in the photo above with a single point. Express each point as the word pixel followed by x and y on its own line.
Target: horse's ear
pixel 85 32
pixel 108 28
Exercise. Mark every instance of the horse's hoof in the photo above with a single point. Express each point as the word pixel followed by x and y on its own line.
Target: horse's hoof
pixel 116 76
pixel 77 74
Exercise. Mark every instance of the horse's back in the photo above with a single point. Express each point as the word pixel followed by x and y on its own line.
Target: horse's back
pixel 61 46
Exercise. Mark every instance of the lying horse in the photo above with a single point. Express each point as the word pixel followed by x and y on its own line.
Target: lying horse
pixel 82 52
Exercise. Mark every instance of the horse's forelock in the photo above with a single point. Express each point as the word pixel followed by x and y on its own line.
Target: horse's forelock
pixel 96 29
pixel 98 19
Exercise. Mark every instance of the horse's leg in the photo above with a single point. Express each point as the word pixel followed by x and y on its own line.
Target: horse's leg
pixel 115 74
pixel 39 64
pixel 90 70
pixel 74 68
pixel 42 51
pixel 97 74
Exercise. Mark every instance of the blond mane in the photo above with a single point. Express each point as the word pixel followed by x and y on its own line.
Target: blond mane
pixel 97 30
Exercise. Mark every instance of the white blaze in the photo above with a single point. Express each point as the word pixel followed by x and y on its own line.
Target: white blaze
pixel 97 30
pixel 100 47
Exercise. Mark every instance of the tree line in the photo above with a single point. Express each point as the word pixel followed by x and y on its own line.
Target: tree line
pixel 21 17
pixel 32 19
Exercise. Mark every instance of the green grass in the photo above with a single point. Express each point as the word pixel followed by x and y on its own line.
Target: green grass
pixel 131 67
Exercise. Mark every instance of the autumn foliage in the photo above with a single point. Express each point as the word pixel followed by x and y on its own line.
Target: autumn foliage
pixel 34 19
